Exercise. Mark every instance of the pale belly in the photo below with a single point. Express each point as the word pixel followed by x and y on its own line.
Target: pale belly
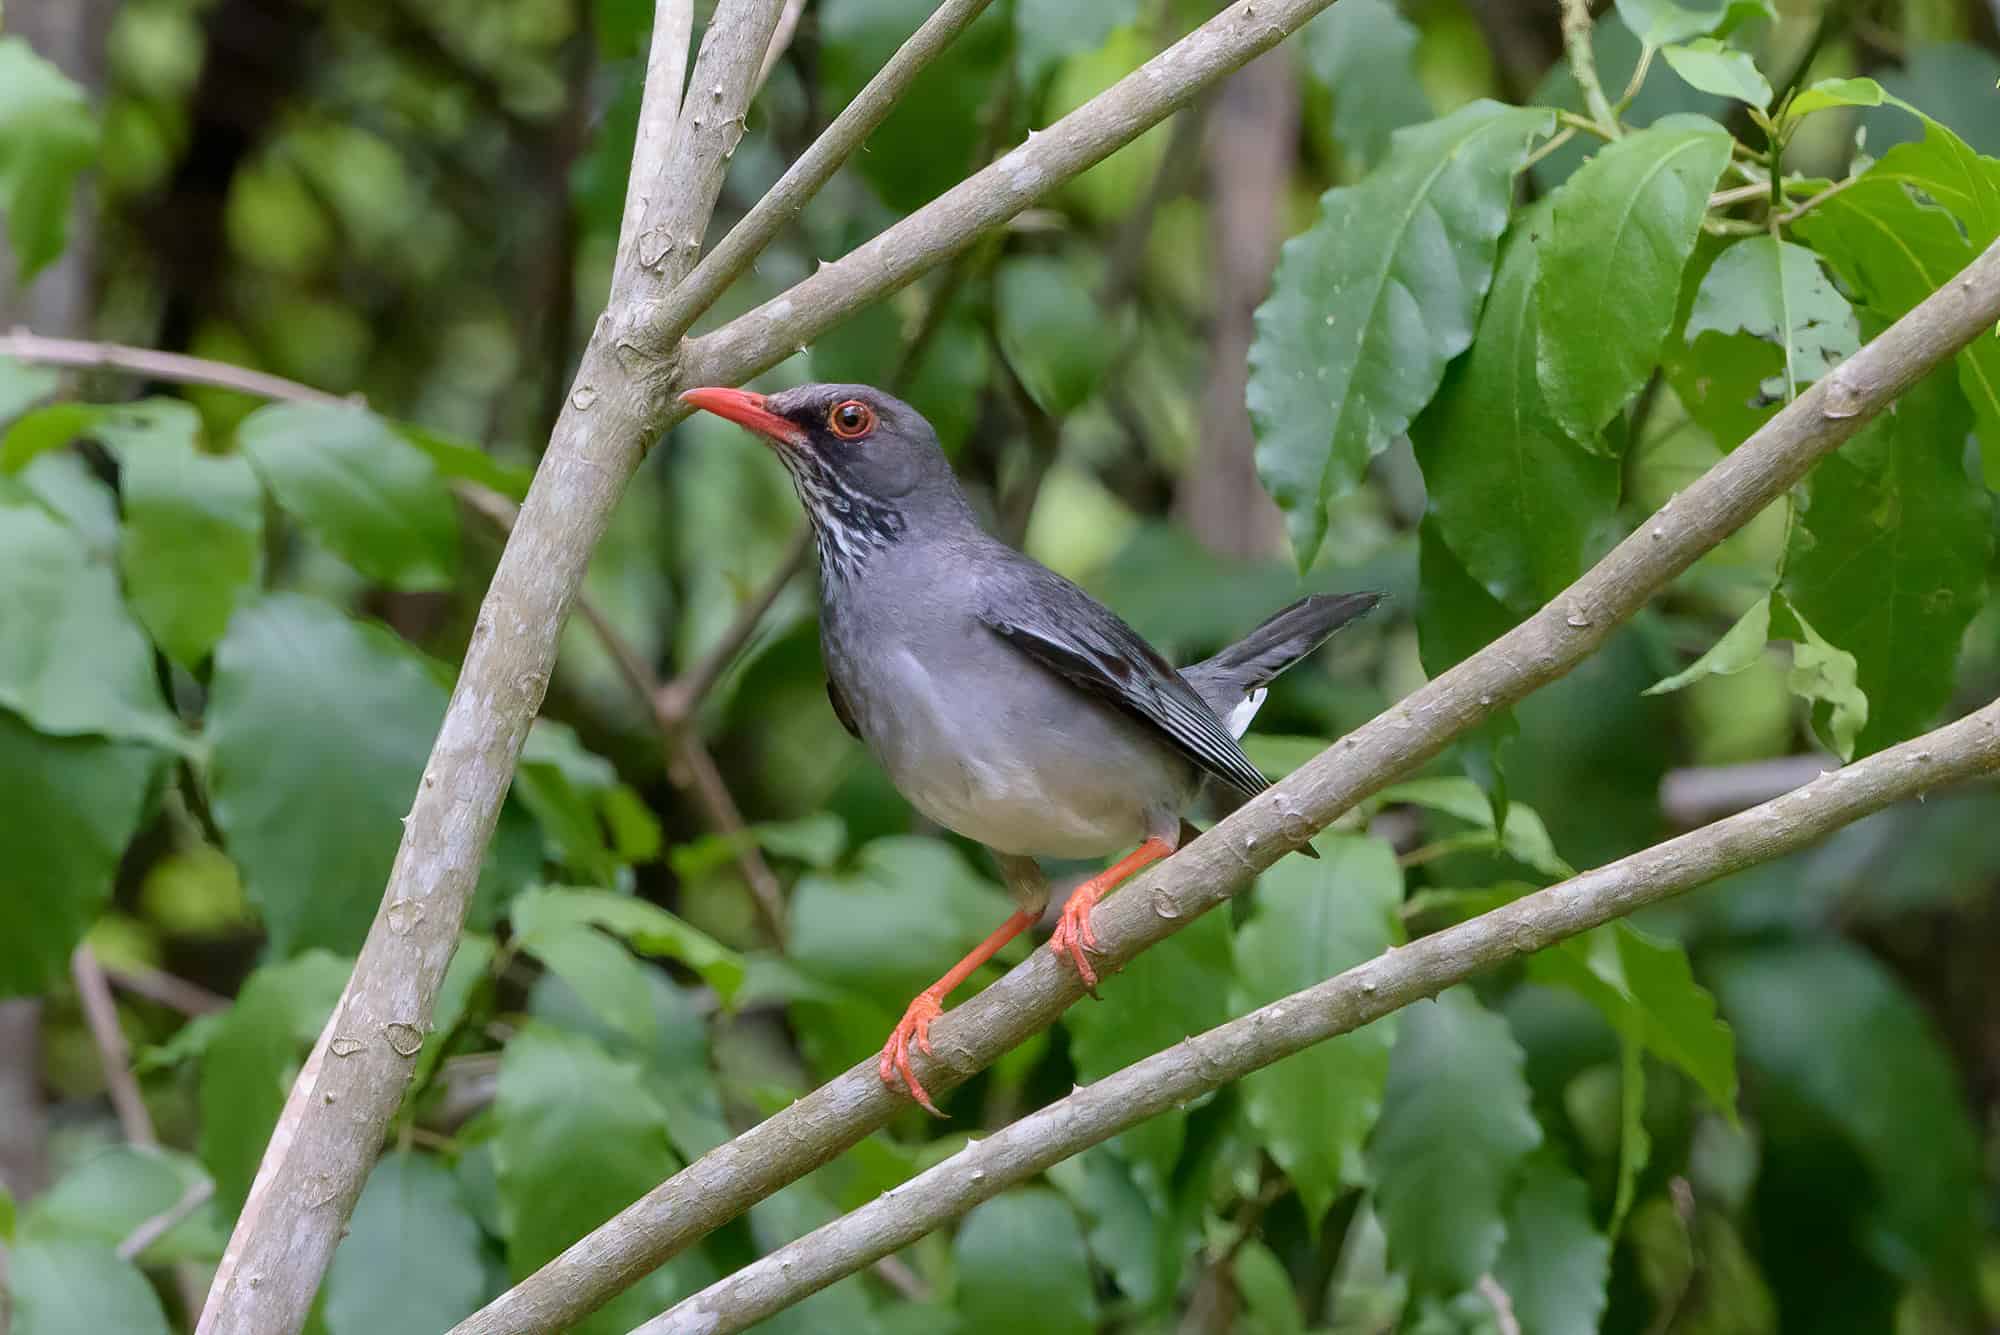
pixel 1045 773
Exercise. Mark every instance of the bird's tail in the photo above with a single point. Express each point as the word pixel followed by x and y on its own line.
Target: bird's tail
pixel 1232 682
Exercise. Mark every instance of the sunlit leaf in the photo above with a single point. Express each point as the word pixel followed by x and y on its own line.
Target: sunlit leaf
pixel 1363 314
pixel 1741 647
pixel 1621 230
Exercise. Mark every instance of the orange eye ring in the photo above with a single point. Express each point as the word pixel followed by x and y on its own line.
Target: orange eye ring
pixel 850 419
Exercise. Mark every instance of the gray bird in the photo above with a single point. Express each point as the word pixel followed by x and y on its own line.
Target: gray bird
pixel 1005 703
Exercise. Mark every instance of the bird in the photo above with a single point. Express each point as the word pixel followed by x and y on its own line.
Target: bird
pixel 1004 702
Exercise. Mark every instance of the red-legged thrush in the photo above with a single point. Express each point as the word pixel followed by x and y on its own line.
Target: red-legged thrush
pixel 1004 702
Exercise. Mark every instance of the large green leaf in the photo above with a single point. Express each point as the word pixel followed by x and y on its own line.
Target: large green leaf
pixel 1310 921
pixel 1620 233
pixel 412 1260
pixel 1917 217
pixel 1658 22
pixel 1369 304
pixel 1777 291
pixel 578 1138
pixel 1646 989
pixel 1837 1047
pixel 80 1288
pixel 1454 1128
pixel 1022 1267
pixel 1554 1265
pixel 1517 499
pixel 647 928
pixel 1889 557
pixel 47 137
pixel 1048 32
pixel 1714 68
pixel 249 1062
pixel 1175 990
pixel 193 532
pixel 374 498
pixel 106 1196
pixel 72 804
pixel 1053 334
pixel 1364 54
pixel 72 661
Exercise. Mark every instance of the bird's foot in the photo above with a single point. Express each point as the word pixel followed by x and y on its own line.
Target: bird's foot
pixel 1073 935
pixel 915 1024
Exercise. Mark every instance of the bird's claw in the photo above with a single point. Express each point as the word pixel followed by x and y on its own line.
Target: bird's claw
pixel 1073 936
pixel 895 1064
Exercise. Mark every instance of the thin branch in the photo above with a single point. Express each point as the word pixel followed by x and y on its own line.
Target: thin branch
pixel 152 1230
pixel 811 1131
pixel 167 990
pixel 1695 796
pixel 100 1012
pixel 761 338
pixel 1583 64
pixel 170 366
pixel 1801 209
pixel 1497 1297
pixel 676 702
pixel 339 1112
pixel 781 40
pixel 813 169
pixel 1367 992
pixel 659 117
pixel 1741 194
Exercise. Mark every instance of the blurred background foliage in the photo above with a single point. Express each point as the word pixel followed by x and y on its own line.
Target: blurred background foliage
pixel 228 628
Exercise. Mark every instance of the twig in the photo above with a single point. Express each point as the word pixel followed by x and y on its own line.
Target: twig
pixel 1340 1005
pixel 676 702
pixel 152 1230
pixel 1742 194
pixel 1550 145
pixel 727 1180
pixel 813 169
pixel 171 366
pixel 338 1114
pixel 100 1012
pixel 1690 797
pixel 174 993
pixel 1583 64
pixel 781 40
pixel 641 230
pixel 1801 209
pixel 1497 1297
pixel 1638 79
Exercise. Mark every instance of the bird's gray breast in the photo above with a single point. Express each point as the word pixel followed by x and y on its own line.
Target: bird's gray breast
pixel 984 741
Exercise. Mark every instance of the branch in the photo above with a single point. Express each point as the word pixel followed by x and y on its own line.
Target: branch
pixel 1340 1005
pixel 1583 64
pixel 760 339
pixel 729 1179
pixel 643 222
pixel 814 168
pixel 781 40
pixel 79 355
pixel 339 1112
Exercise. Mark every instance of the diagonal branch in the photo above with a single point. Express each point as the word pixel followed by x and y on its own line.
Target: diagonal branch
pixel 729 1179
pixel 1342 1004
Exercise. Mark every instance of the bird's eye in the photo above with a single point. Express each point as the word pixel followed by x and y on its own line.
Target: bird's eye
pixel 851 419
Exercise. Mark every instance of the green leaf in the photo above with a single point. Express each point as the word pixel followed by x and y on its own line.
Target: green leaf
pixel 48 136
pixel 1270 1307
pixel 1175 990
pixel 578 1137
pixel 1620 233
pixel 44 429
pixel 1308 922
pixel 1524 838
pixel 1646 989
pixel 1048 32
pixel 364 490
pixel 1365 55
pixel 1660 22
pixel 1829 93
pixel 599 970
pixel 1131 1237
pixel 1778 291
pixel 462 459
pixel 1889 557
pixel 193 534
pixel 412 1261
pixel 1836 1046
pixel 1825 675
pixel 462 979
pixel 66 614
pixel 1555 1266
pixel 1714 68
pixel 21 387
pixel 1370 303
pixel 105 1197
pixel 1894 249
pixel 1740 648
pixel 647 928
pixel 1021 1266
pixel 1051 331
pixel 1454 1128
pixel 1522 504
pixel 80 1288
pixel 72 805
pixel 251 1058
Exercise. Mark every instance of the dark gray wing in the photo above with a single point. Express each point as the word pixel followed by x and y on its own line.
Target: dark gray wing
pixel 1065 630
pixel 840 709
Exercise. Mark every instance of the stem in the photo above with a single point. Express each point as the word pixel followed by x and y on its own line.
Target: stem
pixel 1583 64
pixel 1801 209
pixel 1367 992
pixel 723 1183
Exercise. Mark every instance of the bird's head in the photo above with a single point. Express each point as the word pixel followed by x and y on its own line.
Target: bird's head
pixel 865 463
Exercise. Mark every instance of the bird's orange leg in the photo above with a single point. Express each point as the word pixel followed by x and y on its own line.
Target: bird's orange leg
pixel 916 1021
pixel 1073 935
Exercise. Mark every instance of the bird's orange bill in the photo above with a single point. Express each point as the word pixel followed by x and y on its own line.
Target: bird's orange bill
pixel 746 409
